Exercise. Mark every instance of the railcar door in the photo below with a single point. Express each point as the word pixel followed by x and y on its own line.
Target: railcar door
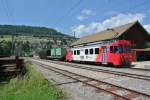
pixel 104 55
pixel 82 55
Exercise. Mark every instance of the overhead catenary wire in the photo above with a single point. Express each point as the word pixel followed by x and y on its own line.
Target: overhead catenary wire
pixel 62 18
pixel 131 8
pixel 7 10
pixel 124 11
pixel 136 6
pixel 9 16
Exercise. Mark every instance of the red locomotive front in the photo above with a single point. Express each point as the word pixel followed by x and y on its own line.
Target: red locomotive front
pixel 120 53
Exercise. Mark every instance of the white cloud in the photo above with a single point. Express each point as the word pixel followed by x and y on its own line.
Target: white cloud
pixel 120 19
pixel 85 13
pixel 148 11
pixel 79 29
pixel 81 17
pixel 147 27
pixel 111 13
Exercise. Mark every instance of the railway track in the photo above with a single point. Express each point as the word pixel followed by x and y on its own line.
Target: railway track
pixel 140 69
pixel 136 76
pixel 99 84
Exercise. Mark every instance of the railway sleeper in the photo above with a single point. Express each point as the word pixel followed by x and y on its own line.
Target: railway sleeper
pixel 132 94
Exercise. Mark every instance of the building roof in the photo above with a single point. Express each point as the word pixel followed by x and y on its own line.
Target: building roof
pixel 106 34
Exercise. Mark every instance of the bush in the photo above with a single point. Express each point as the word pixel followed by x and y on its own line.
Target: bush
pixel 32 86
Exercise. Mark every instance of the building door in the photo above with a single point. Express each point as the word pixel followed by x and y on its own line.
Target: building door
pixel 104 55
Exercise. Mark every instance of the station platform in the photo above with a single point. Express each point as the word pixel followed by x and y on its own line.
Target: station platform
pixel 141 64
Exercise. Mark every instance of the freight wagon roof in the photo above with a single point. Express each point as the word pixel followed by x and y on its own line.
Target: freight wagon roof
pixel 106 34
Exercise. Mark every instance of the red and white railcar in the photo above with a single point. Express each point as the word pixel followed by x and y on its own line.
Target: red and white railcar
pixel 108 52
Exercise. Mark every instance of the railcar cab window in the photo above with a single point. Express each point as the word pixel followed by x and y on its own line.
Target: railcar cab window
pixel 78 52
pixel 127 49
pixel 91 51
pixel 116 49
pixel 111 49
pixel 96 50
pixel 86 51
pixel 74 52
pixel 120 48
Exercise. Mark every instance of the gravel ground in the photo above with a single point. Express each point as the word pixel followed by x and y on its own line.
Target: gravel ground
pixel 136 65
pixel 142 65
pixel 136 84
pixel 74 90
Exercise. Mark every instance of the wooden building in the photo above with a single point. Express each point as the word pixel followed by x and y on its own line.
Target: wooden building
pixel 134 32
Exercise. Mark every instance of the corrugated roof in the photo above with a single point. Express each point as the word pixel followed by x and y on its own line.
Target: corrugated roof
pixel 105 35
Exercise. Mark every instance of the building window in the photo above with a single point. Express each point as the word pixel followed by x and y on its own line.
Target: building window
pixel 91 51
pixel 78 52
pixel 86 51
pixel 74 52
pixel 96 50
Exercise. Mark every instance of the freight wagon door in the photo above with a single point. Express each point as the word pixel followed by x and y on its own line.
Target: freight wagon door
pixel 104 55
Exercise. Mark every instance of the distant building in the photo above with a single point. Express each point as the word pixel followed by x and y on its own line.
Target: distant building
pixel 134 32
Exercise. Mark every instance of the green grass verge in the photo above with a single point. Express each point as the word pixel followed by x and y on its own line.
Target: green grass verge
pixel 32 86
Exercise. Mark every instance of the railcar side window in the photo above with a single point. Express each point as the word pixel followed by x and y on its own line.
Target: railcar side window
pixel 96 50
pixel 78 52
pixel 115 49
pixel 91 51
pixel 74 52
pixel 86 51
pixel 111 49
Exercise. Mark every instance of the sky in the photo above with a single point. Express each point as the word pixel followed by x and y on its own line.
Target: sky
pixel 83 17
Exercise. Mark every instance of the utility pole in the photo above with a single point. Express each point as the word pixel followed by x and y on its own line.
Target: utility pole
pixel 74 34
pixel 12 45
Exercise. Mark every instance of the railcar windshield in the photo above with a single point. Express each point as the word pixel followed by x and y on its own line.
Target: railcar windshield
pixel 127 49
pixel 120 49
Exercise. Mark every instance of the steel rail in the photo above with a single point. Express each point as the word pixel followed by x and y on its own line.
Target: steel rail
pixel 130 90
pixel 140 69
pixel 84 82
pixel 137 76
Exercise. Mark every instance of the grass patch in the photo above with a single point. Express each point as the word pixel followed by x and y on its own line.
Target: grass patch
pixel 31 86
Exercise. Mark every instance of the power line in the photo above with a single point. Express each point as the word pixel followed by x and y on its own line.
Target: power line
pixel 9 16
pixel 5 9
pixel 133 7
pixel 69 11
pixel 136 6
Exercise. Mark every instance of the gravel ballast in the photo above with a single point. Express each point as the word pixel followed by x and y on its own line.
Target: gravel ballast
pixel 74 90
pixel 135 84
